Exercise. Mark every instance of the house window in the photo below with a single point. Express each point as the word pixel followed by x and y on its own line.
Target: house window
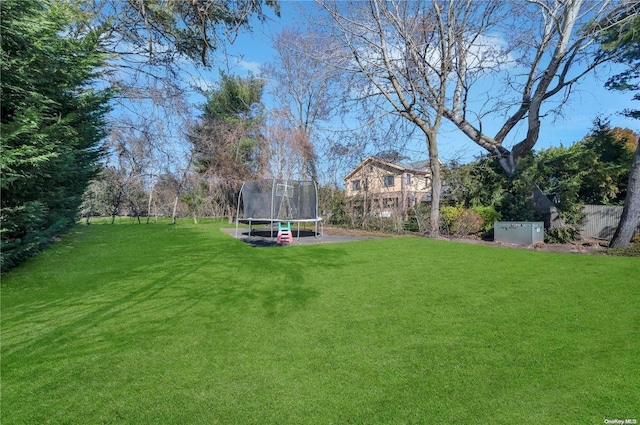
pixel 389 181
pixel 408 179
pixel 355 185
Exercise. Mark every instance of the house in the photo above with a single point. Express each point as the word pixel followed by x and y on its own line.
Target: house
pixel 388 189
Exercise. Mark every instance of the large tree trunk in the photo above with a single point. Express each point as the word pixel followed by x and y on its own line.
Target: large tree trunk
pixel 631 211
pixel 116 206
pixel 434 217
pixel 542 204
pixel 149 204
pixel 436 187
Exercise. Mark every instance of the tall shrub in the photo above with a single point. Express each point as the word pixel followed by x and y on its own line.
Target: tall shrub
pixel 489 216
pixel 459 221
pixel 52 122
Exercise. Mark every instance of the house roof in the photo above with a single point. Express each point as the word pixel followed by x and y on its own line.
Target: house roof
pixel 419 167
pixel 445 193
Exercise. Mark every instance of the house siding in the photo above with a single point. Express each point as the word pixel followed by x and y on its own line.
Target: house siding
pixel 387 199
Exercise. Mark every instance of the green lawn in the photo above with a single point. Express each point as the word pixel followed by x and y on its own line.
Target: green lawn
pixel 159 324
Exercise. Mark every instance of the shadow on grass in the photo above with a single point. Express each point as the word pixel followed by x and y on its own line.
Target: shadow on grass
pixel 131 290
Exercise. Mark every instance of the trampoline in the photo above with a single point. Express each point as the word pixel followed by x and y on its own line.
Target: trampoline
pixel 273 201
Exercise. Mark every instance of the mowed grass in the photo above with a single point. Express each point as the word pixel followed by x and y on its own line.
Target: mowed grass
pixel 159 324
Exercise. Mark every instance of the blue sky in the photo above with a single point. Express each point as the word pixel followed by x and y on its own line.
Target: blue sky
pixel 589 100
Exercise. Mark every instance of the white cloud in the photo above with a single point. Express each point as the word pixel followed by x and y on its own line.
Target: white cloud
pixel 201 83
pixel 250 66
pixel 489 51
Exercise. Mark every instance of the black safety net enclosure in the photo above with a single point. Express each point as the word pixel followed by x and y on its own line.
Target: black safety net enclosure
pixel 271 201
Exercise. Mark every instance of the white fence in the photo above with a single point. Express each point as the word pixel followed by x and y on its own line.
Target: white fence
pixel 601 221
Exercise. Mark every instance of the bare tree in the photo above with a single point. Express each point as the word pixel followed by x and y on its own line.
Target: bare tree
pixel 303 80
pixel 130 149
pixel 288 148
pixel 548 48
pixel 165 190
pixel 538 50
pixel 406 52
pixel 150 45
pixel 141 147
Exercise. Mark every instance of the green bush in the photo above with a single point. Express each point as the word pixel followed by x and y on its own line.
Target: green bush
pixel 338 214
pixel 489 216
pixel 418 219
pixel 411 226
pixel 560 235
pixel 460 221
